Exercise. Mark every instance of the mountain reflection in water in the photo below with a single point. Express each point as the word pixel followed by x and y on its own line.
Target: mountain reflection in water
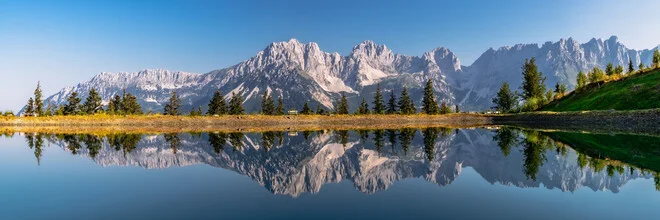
pixel 292 163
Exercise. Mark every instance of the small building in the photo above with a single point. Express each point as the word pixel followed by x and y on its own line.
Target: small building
pixel 293 112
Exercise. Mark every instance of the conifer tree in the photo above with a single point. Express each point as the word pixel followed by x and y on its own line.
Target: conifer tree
pixel 38 101
pixel 73 104
pixel 29 108
pixel 596 75
pixel 429 105
pixel 457 110
pixel 581 80
pixel 656 59
pixel 379 106
pixel 173 105
pixel 641 66
pixel 50 110
pixel 505 99
pixel 130 105
pixel 217 105
pixel 279 110
pixel 267 104
pixel 444 108
pixel 114 106
pixel 306 110
pixel 609 70
pixel 391 104
pixel 363 109
pixel 404 102
pixel 533 84
pixel 92 103
pixel 236 105
pixel 631 68
pixel 411 107
pixel 342 108
pixel 319 110
pixel 618 71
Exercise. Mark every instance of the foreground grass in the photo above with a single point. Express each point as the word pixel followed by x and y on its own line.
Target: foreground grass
pixel 639 91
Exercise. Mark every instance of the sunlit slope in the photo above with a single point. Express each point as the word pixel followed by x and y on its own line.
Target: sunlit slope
pixel 640 91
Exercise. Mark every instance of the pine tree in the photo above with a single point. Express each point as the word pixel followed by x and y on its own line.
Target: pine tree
pixel 444 108
pixel 196 112
pixel 236 105
pixel 92 103
pixel 618 71
pixel 217 105
pixel 533 84
pixel 581 80
pixel 73 104
pixel 505 99
pixel 279 110
pixel 631 68
pixel 429 105
pixel 596 75
pixel 114 107
pixel 391 104
pixel 319 110
pixel 411 107
pixel 363 109
pixel 267 104
pixel 656 59
pixel 130 105
pixel 172 107
pixel 609 70
pixel 38 101
pixel 50 110
pixel 306 110
pixel 641 66
pixel 342 109
pixel 379 106
pixel 457 110
pixel 29 108
pixel 404 102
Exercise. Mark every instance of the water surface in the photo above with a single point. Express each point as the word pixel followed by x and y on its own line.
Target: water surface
pixel 502 173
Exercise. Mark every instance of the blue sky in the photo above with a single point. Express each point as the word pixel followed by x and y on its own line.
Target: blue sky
pixel 61 43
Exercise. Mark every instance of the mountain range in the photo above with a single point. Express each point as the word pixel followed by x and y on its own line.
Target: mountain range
pixel 301 73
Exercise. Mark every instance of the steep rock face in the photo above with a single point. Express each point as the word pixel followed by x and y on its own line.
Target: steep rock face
pixel 302 73
pixel 299 166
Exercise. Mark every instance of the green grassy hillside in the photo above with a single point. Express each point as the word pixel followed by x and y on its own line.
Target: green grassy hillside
pixel 640 91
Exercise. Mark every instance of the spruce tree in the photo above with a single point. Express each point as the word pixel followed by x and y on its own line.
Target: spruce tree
pixel 319 110
pixel 363 109
pixel 267 104
pixel 656 59
pixel 379 105
pixel 116 105
pixel 457 110
pixel 130 105
pixel 444 108
pixel 505 99
pixel 609 70
pixel 342 109
pixel 533 84
pixel 38 101
pixel 279 110
pixel 429 105
pixel 50 109
pixel 641 66
pixel 172 107
pixel 404 102
pixel 217 105
pixel 618 71
pixel 92 102
pixel 596 75
pixel 306 110
pixel 581 80
pixel 391 104
pixel 631 68
pixel 411 107
pixel 236 105
pixel 73 104
pixel 29 108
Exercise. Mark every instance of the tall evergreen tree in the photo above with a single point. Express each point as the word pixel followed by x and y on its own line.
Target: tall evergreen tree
pixel 429 104
pixel 114 106
pixel 279 110
pixel 236 105
pixel 92 103
pixel 581 80
pixel 363 109
pixel 656 59
pixel 319 110
pixel 596 75
pixel 38 101
pixel 379 105
pixel 217 105
pixel 391 104
pixel 29 108
pixel 533 84
pixel 411 107
pixel 73 104
pixel 404 102
pixel 618 71
pixel 457 110
pixel 505 99
pixel 444 108
pixel 609 70
pixel 641 66
pixel 306 110
pixel 130 105
pixel 173 105
pixel 267 104
pixel 342 109
pixel 631 68
pixel 50 109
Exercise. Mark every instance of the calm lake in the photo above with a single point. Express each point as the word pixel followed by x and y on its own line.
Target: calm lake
pixel 501 173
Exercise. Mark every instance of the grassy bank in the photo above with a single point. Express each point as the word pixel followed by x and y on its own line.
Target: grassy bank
pixel 160 123
pixel 638 91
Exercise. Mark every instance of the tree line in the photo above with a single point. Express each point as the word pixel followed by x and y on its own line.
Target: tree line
pixel 533 89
